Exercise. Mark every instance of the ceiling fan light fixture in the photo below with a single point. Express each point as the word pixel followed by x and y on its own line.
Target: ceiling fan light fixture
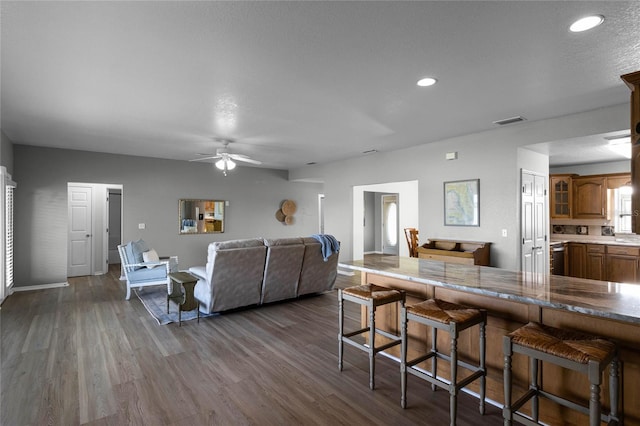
pixel 586 23
pixel 426 82
pixel 225 165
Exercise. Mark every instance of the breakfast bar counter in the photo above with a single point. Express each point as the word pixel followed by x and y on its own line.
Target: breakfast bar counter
pixel 512 299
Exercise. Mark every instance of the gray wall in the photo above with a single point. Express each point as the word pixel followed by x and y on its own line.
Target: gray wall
pixel 151 190
pixel 6 152
pixel 494 157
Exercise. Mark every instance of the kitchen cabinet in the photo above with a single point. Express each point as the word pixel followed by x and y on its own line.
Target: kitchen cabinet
pixel 594 266
pixel 583 197
pixel 577 260
pixel 561 196
pixel 604 262
pixel 589 197
pixel 623 264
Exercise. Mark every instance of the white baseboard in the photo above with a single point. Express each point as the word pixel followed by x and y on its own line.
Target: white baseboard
pixel 372 252
pixel 40 286
pixel 346 272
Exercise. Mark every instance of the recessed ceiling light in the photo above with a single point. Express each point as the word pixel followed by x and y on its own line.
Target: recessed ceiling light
pixel 426 82
pixel 586 23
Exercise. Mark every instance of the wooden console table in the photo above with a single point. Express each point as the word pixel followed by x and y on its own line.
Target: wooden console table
pixel 455 251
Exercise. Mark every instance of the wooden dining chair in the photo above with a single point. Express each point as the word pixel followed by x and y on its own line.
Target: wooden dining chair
pixel 411 234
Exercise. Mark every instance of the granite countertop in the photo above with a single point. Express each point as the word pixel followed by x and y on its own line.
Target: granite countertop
pixel 615 301
pixel 617 242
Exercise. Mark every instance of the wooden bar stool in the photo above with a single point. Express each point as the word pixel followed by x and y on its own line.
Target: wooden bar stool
pixel 371 296
pixel 452 318
pixel 568 349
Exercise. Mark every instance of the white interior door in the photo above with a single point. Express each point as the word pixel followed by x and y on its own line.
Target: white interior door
pixel 533 222
pixel 80 230
pixel 390 224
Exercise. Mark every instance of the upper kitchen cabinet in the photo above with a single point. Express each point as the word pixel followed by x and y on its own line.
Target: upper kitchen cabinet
pixel 561 196
pixel 590 197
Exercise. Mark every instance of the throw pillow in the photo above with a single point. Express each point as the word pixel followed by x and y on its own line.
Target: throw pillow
pixel 151 256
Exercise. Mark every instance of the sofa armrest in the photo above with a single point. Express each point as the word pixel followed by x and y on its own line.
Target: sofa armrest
pixel 199 271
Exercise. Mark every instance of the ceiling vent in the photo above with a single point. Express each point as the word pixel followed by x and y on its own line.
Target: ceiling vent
pixel 510 120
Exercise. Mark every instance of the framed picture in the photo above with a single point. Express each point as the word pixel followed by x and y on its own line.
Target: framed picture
pixel 462 203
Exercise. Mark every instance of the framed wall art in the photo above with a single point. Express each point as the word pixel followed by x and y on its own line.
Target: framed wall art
pixel 462 203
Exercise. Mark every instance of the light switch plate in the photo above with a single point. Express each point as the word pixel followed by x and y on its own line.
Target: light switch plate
pixel 504 232
pixel 141 226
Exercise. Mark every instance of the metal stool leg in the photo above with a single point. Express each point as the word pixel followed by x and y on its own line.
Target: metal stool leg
pixel 434 359
pixel 372 345
pixel 403 358
pixel 614 388
pixel 594 399
pixel 453 388
pixel 506 411
pixel 533 363
pixel 483 353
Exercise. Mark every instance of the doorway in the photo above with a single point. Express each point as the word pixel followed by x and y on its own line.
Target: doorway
pixel 94 227
pixel 407 216
pixel 390 224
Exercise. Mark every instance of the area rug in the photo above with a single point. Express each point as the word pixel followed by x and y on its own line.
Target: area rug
pixel 155 300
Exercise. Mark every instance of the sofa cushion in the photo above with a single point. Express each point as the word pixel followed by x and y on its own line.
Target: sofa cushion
pixel 234 244
pixel 198 271
pixel 270 242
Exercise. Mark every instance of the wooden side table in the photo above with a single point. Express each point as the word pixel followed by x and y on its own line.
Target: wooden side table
pixel 184 298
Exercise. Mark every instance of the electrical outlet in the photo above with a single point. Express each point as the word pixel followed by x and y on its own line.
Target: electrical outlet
pixel 504 232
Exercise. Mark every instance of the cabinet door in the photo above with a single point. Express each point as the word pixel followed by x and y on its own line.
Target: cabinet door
pixel 623 264
pixel 595 266
pixel 577 260
pixel 622 269
pixel 561 197
pixel 590 198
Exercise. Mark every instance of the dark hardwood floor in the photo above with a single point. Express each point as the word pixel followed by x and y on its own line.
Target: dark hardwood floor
pixel 83 355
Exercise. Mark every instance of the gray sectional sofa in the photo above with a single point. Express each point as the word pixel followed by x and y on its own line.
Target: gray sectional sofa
pixel 250 272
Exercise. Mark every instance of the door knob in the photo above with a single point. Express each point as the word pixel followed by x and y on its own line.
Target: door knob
pixel 88 235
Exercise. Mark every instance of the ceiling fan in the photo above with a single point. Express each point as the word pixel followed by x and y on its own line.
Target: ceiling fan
pixel 225 158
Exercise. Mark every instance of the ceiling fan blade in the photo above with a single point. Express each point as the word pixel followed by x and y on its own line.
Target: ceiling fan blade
pixel 210 157
pixel 244 158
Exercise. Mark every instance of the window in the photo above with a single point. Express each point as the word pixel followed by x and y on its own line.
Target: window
pixel 622 211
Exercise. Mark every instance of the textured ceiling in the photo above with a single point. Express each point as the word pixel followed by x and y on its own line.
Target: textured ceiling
pixel 299 82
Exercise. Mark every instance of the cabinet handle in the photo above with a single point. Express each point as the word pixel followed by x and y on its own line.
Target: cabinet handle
pixel 603 211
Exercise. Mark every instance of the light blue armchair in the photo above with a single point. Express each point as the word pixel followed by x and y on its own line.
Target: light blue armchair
pixel 139 273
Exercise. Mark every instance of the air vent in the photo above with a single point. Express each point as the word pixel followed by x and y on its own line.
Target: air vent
pixel 510 120
pixel 371 151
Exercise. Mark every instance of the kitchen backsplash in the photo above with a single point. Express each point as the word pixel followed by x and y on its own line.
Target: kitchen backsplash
pixel 604 231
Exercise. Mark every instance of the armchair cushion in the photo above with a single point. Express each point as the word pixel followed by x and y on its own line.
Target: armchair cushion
pixel 146 274
pixel 151 256
pixel 134 251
